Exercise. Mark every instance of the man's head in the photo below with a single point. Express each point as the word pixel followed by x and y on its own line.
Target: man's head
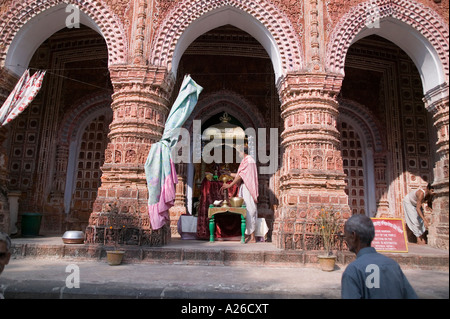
pixel 242 151
pixel 5 254
pixel 358 232
pixel 246 149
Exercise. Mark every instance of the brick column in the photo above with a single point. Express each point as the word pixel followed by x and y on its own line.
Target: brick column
pixel 312 175
pixel 437 102
pixel 140 107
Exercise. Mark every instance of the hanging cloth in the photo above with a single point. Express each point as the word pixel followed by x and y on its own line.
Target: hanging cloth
pixel 159 167
pixel 21 96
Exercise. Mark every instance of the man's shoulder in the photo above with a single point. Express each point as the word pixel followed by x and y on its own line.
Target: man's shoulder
pixel 381 258
pixel 373 257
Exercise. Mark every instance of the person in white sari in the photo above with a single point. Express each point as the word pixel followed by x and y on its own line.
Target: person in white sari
pixel 247 174
pixel 414 213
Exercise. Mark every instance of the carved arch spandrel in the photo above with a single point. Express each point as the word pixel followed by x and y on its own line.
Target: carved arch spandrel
pixel 278 28
pixel 418 17
pixel 102 16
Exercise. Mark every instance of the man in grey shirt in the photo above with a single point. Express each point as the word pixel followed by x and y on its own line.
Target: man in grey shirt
pixel 371 275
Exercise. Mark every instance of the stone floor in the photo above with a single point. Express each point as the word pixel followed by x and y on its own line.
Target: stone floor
pixel 195 271
pixel 199 252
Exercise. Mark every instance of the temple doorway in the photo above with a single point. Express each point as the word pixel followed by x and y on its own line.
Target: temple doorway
pixel 239 84
pixel 57 145
pixel 388 139
pixel 222 137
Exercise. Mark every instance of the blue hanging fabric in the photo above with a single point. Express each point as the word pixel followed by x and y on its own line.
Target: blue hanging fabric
pixel 159 167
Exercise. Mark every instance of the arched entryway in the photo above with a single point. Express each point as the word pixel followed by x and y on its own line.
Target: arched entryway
pixel 31 22
pixel 215 105
pixel 260 19
pixel 414 42
pixel 80 154
pixel 362 143
pixel 76 60
pixel 412 26
pixel 238 76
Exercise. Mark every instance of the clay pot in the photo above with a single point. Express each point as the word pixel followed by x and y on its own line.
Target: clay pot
pixel 114 257
pixel 327 263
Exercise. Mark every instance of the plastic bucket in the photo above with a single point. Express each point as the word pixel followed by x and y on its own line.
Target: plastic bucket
pixel 31 223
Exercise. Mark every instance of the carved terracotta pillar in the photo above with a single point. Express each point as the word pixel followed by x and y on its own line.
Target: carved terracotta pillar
pixel 381 189
pixel 264 201
pixel 7 83
pixel 312 175
pixel 179 206
pixel 140 107
pixel 437 102
pixel 56 198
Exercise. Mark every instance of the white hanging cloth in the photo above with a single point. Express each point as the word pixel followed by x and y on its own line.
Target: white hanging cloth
pixel 22 95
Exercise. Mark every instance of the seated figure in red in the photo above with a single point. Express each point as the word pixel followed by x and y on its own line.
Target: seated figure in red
pixel 228 226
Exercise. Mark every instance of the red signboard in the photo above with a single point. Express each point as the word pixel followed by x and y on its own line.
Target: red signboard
pixel 390 235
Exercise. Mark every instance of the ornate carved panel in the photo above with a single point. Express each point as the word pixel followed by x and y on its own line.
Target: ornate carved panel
pixel 88 173
pixel 415 121
pixel 352 157
pixel 177 16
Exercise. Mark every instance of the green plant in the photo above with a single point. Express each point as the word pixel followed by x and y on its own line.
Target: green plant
pixel 328 223
pixel 114 227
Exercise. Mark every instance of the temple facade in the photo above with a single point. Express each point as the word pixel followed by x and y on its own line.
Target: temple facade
pixel 355 93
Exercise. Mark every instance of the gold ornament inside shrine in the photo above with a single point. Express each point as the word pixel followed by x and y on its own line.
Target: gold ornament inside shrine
pixel 231 137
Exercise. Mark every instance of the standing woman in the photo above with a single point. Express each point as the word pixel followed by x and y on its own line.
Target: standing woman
pixel 414 213
pixel 248 174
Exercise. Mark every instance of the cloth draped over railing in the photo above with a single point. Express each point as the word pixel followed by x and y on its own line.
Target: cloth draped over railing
pixel 159 167
pixel 21 96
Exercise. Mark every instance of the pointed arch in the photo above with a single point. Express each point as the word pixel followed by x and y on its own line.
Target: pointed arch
pixel 73 125
pixel 373 145
pixel 261 19
pixel 82 109
pixel 415 28
pixel 29 23
pixel 230 102
pixel 361 117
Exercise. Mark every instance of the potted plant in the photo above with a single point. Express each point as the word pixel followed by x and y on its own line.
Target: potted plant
pixel 328 223
pixel 114 257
